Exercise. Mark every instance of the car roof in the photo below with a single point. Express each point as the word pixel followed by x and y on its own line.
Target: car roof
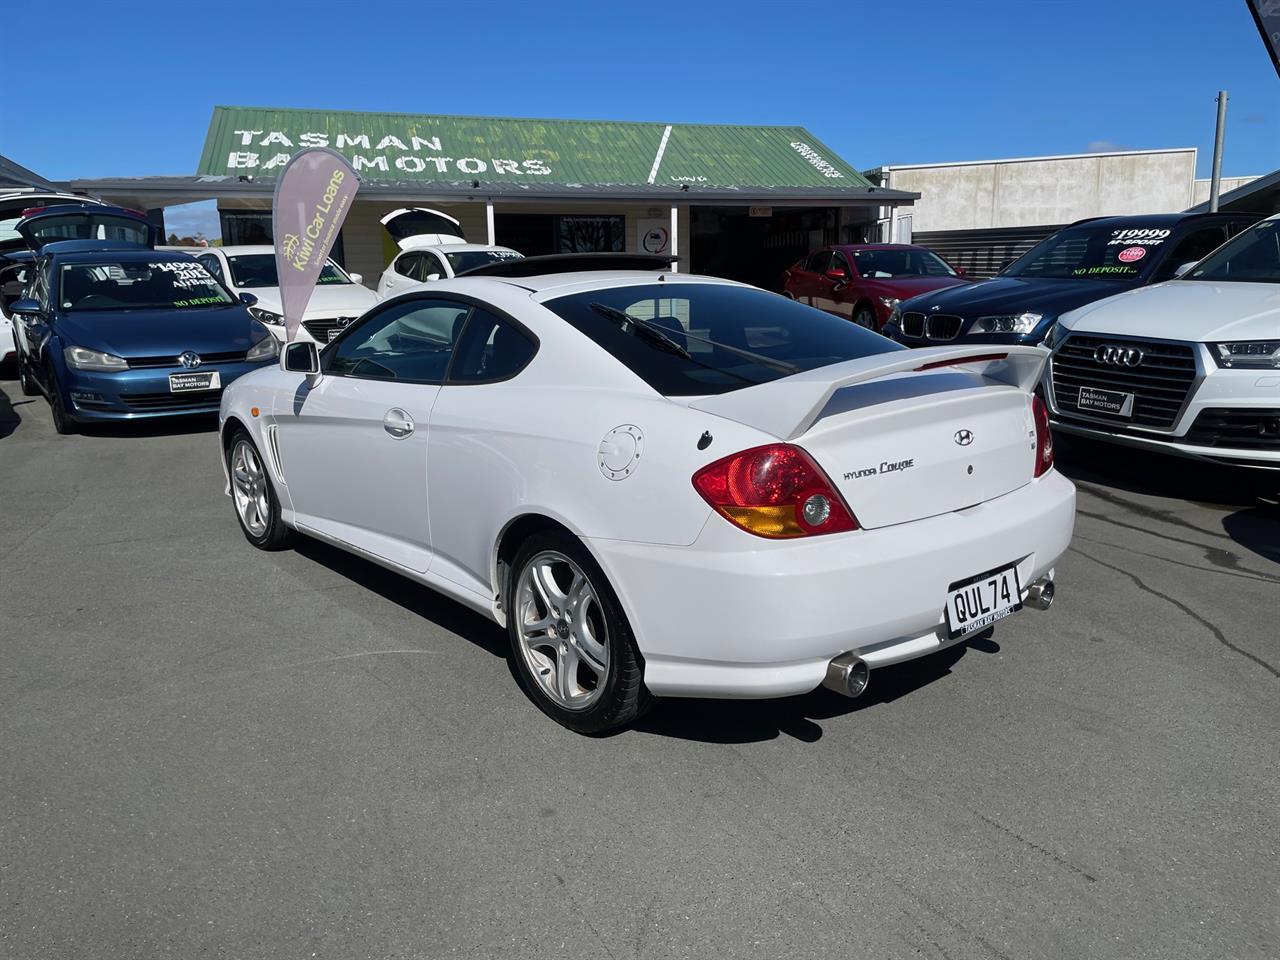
pixel 876 246
pixel 560 284
pixel 92 251
pixel 1155 219
pixel 457 248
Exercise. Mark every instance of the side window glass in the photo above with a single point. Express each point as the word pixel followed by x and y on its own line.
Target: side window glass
pixel 407 265
pixel 213 265
pixel 1192 248
pixel 431 264
pixel 838 262
pixel 410 341
pixel 490 349
pixel 820 261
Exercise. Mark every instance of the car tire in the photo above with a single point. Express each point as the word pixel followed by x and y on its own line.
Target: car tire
pixel 26 380
pixel 253 495
pixel 864 316
pixel 555 624
pixel 63 424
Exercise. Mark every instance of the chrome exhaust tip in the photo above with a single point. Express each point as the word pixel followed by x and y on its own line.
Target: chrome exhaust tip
pixel 1040 594
pixel 848 675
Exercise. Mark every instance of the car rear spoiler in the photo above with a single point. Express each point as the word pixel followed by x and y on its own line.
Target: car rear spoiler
pixel 788 407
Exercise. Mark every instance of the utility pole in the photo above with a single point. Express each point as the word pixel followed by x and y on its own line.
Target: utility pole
pixel 1216 182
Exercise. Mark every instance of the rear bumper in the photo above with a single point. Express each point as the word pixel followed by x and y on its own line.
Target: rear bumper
pixel 736 616
pixel 140 394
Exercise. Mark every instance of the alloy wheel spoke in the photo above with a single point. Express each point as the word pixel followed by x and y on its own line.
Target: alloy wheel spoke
pixel 548 590
pixel 567 672
pixel 594 653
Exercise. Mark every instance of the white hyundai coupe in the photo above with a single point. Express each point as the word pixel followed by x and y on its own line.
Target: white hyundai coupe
pixel 661 484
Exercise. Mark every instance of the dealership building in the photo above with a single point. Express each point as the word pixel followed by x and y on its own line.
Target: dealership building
pixel 743 202
pixel 983 213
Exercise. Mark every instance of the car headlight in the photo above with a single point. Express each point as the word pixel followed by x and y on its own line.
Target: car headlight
pixel 267 316
pixel 1248 354
pixel 82 358
pixel 895 310
pixel 268 348
pixel 1019 323
pixel 1057 333
pixel 890 302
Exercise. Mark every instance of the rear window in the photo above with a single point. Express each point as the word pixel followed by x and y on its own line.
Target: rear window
pixel 732 337
pixel 470 259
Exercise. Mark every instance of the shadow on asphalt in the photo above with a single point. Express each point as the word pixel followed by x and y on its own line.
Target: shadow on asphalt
pixel 1108 469
pixel 412 596
pixel 708 721
pixel 145 429
pixel 9 418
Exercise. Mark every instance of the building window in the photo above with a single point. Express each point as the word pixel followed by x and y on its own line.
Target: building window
pixel 240 228
pixel 586 234
pixel 535 234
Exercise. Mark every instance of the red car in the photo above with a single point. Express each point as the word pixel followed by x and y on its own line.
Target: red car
pixel 863 282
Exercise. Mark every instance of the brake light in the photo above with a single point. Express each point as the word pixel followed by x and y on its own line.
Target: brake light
pixel 976 358
pixel 1044 436
pixel 775 491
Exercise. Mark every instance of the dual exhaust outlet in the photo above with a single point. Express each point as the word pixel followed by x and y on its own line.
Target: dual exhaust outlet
pixel 848 674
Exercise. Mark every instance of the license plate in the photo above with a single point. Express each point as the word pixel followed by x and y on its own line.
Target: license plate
pixel 1106 401
pixel 980 601
pixel 187 382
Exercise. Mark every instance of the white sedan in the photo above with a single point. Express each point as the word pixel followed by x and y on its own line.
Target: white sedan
pixel 1189 367
pixel 339 297
pixel 662 485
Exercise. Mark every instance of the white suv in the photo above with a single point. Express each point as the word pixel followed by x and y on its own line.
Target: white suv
pixel 1190 366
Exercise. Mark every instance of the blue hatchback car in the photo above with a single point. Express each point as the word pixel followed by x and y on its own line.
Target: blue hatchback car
pixel 112 329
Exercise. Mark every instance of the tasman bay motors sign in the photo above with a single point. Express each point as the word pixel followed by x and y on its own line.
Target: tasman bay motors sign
pixel 268 150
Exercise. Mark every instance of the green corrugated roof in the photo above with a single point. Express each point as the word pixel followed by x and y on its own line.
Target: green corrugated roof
pixel 398 147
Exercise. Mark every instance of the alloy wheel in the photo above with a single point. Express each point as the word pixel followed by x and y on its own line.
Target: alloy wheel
pixel 563 635
pixel 249 486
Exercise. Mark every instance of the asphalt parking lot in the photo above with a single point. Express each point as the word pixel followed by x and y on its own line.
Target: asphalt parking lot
pixel 212 751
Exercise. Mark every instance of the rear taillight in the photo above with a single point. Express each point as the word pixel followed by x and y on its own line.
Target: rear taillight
pixel 775 491
pixel 1044 437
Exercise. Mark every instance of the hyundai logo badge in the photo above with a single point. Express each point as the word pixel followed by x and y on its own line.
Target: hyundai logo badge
pixel 189 359
pixel 964 437
pixel 1118 356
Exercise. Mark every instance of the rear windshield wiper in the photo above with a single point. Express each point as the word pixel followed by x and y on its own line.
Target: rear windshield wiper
pixel 654 333
pixel 649 333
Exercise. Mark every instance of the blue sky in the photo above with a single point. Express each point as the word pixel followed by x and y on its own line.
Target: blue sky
pixel 132 84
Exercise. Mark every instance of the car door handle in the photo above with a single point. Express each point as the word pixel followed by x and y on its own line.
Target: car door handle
pixel 397 423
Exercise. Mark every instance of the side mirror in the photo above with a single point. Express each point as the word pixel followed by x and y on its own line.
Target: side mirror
pixel 960 271
pixel 301 356
pixel 26 307
pixel 356 277
pixel 248 299
pixel 835 273
pixel 433 276
pixel 1182 269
